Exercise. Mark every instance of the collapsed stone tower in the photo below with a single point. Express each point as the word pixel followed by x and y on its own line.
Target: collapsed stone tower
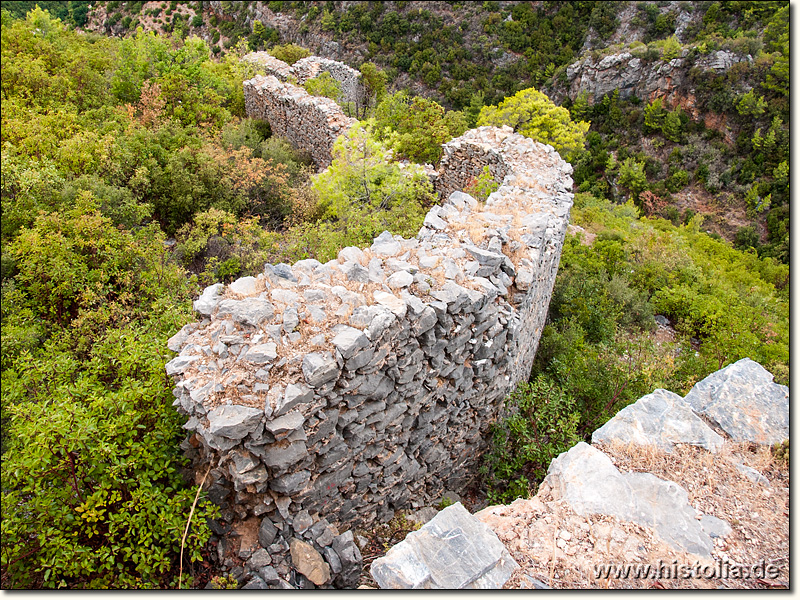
pixel 328 396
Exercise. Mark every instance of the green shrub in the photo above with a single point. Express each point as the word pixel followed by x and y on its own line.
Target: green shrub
pixel 91 486
pixel 542 423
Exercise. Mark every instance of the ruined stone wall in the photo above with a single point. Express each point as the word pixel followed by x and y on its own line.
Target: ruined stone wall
pixel 310 123
pixel 307 68
pixel 335 394
pixel 349 79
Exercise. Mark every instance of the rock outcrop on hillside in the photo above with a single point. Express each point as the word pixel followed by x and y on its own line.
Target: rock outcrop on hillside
pixel 647 80
pixel 658 488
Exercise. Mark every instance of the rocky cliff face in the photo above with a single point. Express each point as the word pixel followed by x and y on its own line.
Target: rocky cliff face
pixel 647 80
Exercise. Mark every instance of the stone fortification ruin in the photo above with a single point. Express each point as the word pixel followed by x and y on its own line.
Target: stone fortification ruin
pixel 348 78
pixel 328 396
pixel 310 123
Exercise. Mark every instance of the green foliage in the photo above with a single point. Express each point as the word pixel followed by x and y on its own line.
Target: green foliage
pixel 92 491
pixel 532 114
pixel 359 196
pixel 483 185
pixel 670 49
pixel 542 424
pixel 632 177
pixel 324 85
pixel 415 128
pixel 654 115
pixel 751 105
pixel 374 81
pixel 289 53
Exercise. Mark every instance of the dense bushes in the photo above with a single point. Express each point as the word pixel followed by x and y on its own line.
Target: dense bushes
pixel 92 490
pixel 599 351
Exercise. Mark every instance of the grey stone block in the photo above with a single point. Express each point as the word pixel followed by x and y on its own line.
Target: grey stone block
pixel 349 340
pixel 660 419
pixel 454 550
pixel 589 482
pixel 233 421
pixel 764 416
pixel 319 368
pixel 209 299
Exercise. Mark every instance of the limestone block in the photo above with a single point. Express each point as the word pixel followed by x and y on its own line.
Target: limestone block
pixel 244 286
pixel 319 368
pixel 233 421
pixel 454 550
pixel 745 402
pixel 209 299
pixel 589 482
pixel 660 419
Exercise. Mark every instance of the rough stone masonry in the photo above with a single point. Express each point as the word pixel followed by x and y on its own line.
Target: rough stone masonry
pixel 328 396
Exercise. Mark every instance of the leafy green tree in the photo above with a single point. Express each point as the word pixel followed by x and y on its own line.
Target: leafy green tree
pixel 324 85
pixel 374 82
pixel 362 193
pixel 532 114
pixel 672 126
pixel 654 115
pixel 289 53
pixel 671 48
pixel 751 105
pixel 415 128
pixel 632 177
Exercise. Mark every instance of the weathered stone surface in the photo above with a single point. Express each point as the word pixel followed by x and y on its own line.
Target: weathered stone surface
pixel 176 342
pixel 262 353
pixel 454 550
pixel 309 562
pixel 233 421
pixel 660 419
pixel 267 532
pixel 743 401
pixel 715 527
pixel 286 423
pixel 180 363
pixel 294 395
pixel 290 483
pixel 349 341
pixel 282 455
pixel 250 311
pixel 209 299
pixel 589 482
pixel 392 302
pixel 319 368
pixel 400 279
pixel 259 559
pixel 244 286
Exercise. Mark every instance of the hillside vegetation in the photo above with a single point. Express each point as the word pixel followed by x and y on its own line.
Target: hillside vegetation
pixel 131 178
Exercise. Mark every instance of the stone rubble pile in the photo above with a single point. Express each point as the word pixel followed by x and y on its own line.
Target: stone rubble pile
pixel 341 392
pixel 310 123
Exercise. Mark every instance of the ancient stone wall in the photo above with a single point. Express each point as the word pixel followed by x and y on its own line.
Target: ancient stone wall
pixel 310 123
pixel 349 79
pixel 307 68
pixel 335 394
